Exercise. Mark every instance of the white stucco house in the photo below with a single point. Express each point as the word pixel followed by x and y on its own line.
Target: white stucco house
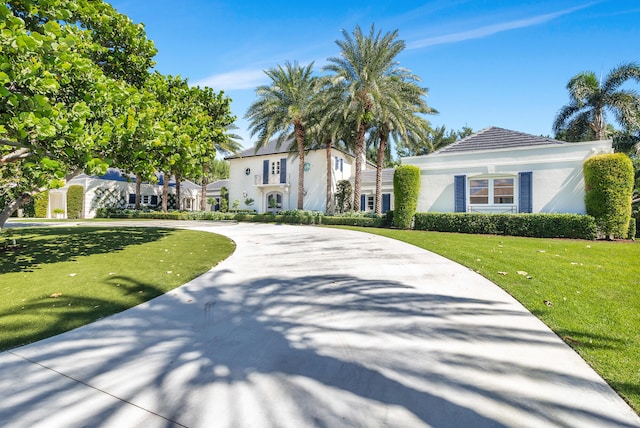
pixel 268 178
pixel 116 189
pixel 500 171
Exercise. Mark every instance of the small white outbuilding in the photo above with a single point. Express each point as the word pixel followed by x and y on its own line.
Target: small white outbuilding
pixel 500 171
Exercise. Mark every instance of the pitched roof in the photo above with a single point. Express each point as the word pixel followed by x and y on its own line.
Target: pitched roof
pixel 494 138
pixel 268 149
pixel 217 185
pixel 287 147
pixel 369 175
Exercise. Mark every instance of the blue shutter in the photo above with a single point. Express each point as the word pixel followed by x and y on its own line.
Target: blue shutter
pixel 459 193
pixel 283 170
pixel 132 198
pixel 363 202
pixel 265 172
pixel 525 192
pixel 341 162
pixel 337 162
pixel 154 200
pixel 386 202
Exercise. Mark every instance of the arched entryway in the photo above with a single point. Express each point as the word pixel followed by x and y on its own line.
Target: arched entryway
pixel 274 202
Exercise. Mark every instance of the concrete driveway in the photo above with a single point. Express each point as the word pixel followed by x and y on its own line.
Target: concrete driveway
pixel 312 327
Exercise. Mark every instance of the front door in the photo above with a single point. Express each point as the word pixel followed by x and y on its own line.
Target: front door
pixel 274 202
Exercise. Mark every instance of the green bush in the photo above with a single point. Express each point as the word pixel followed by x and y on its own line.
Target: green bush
pixel 609 181
pixel 75 199
pixel 344 196
pixel 41 204
pixel 540 225
pixel 632 228
pixel 406 188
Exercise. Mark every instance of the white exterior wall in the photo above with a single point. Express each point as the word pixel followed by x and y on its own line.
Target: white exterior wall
pixel 557 177
pixel 91 200
pixel 315 180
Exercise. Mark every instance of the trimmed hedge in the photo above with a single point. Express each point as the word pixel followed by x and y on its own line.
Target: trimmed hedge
pixel 609 180
pixel 41 204
pixel 75 198
pixel 574 226
pixel 406 188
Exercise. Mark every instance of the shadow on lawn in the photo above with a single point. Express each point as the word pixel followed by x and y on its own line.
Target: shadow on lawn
pixel 61 244
pixel 45 317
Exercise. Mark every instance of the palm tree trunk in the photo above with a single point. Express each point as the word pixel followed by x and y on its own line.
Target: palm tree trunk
pixel 165 192
pixel 138 185
pixel 329 205
pixel 299 132
pixel 357 185
pixel 599 124
pixel 383 145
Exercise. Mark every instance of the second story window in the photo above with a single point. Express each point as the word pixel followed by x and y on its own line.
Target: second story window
pixel 275 168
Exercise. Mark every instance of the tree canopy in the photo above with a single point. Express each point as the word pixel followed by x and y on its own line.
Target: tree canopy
pixel 590 98
pixel 74 96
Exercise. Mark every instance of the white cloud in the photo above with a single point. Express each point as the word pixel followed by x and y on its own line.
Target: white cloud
pixel 489 30
pixel 238 79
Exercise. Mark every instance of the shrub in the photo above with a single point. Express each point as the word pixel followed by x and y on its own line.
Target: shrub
pixel 75 199
pixel 41 204
pixel 609 180
pixel 541 225
pixel 344 196
pixel 406 187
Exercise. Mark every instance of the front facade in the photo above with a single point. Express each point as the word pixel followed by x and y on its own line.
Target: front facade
pixel 500 171
pixel 267 180
pixel 117 190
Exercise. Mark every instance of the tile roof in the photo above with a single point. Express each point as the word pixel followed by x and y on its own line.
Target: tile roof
pixel 268 149
pixel 369 175
pixel 495 138
pixel 217 185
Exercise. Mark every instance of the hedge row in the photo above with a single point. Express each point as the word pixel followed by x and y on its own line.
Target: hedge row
pixel 574 226
pixel 290 217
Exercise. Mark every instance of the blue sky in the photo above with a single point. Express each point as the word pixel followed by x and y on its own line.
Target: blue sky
pixel 485 62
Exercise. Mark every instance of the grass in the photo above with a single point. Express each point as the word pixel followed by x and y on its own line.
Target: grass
pixel 593 290
pixel 56 279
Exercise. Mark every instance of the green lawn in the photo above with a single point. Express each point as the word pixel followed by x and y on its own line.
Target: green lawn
pixel 593 289
pixel 92 272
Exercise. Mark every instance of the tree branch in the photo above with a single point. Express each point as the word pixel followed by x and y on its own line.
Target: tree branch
pixel 10 143
pixel 15 156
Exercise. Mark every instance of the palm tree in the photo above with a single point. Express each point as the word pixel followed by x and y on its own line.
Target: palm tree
pixel 285 107
pixel 396 115
pixel 590 98
pixel 360 70
pixel 330 128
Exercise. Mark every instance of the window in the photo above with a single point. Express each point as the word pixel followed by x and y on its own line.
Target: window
pixel 370 203
pixel 247 171
pixel 275 168
pixel 479 191
pixel 145 199
pixel 503 191
pixel 494 191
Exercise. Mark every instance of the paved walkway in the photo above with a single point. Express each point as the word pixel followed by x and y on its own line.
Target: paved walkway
pixel 306 326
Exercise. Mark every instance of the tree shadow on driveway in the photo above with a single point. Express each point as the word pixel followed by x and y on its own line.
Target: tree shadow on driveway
pixel 317 350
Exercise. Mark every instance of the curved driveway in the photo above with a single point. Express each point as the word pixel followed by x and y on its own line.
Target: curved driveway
pixel 305 326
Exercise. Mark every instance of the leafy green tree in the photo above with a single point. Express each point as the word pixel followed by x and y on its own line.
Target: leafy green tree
pixel 365 63
pixel 590 98
pixel 285 107
pixel 67 72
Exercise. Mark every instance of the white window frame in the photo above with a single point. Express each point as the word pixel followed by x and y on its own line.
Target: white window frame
pixel 275 167
pixel 491 203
